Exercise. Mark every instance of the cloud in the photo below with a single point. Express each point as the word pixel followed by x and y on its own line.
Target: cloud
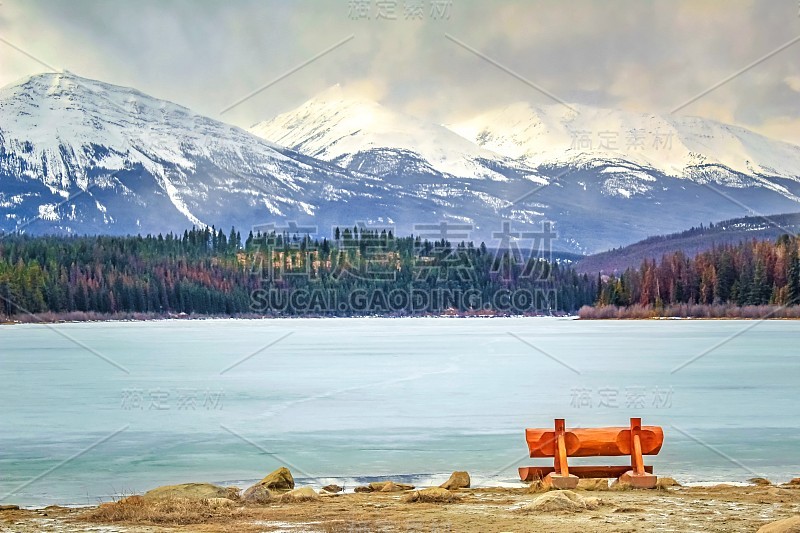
pixel 631 54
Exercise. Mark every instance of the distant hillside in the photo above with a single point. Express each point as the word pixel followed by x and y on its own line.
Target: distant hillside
pixel 692 241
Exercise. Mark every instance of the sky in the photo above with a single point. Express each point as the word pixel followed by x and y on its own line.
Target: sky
pixel 442 60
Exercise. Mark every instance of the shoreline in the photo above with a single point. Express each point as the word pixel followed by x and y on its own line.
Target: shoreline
pixel 484 479
pixel 350 488
pixel 122 320
pixel 590 507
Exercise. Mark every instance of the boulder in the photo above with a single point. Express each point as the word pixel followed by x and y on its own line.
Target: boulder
pixel 795 482
pixel 391 486
pixel 9 507
pixel 593 484
pixel 562 501
pixel 458 480
pixel 332 489
pixel 302 494
pixel 431 495
pixel 189 491
pixel 365 488
pixel 280 480
pixel 759 481
pixel 257 494
pixel 378 486
pixel 787 525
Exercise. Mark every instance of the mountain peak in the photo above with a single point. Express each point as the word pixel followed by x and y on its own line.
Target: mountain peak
pixel 341 125
pixel 337 96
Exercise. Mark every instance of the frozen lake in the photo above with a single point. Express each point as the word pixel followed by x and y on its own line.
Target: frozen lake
pixel 94 410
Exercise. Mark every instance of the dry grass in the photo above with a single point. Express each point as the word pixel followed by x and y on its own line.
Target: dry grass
pixel 167 511
pixel 716 311
pixel 722 509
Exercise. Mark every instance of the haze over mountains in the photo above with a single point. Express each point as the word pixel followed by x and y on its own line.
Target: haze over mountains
pixel 83 156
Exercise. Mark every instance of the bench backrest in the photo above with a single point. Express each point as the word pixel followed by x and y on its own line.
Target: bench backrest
pixel 590 442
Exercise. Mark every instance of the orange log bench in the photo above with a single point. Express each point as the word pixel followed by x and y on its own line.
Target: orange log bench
pixel 560 443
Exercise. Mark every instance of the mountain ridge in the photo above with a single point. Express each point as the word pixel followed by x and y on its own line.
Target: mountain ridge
pixel 84 156
pixel 692 241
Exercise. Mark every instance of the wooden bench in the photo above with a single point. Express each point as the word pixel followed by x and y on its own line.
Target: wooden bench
pixel 560 443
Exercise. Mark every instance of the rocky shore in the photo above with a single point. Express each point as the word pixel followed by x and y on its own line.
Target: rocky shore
pixel 275 504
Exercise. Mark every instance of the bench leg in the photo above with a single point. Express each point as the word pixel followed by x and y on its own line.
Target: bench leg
pixel 561 478
pixel 636 476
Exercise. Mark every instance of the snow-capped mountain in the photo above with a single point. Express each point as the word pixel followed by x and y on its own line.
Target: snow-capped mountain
pixel 83 156
pixel 603 176
pixel 636 145
pixel 363 135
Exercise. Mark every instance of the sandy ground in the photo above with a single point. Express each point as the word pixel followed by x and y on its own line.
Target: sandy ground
pixel 718 508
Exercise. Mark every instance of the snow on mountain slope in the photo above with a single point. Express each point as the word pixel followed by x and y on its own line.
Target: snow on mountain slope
pixel 62 135
pixel 339 127
pixel 676 146
pixel 83 156
pixel 78 155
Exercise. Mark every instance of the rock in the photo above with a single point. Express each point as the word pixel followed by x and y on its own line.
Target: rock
pixel 302 494
pixel 795 482
pixel 333 489
pixel 458 480
pixel 665 482
pixel 759 481
pixel 593 484
pixel 9 507
pixel 391 486
pixel 431 495
pixel 378 486
pixel 365 488
pixel 559 501
pixel 787 525
pixel 280 480
pixel 257 494
pixel 189 491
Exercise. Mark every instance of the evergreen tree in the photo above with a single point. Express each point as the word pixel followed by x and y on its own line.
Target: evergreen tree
pixel 793 279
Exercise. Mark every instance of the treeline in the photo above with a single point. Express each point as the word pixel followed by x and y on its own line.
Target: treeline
pixel 748 275
pixel 211 272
